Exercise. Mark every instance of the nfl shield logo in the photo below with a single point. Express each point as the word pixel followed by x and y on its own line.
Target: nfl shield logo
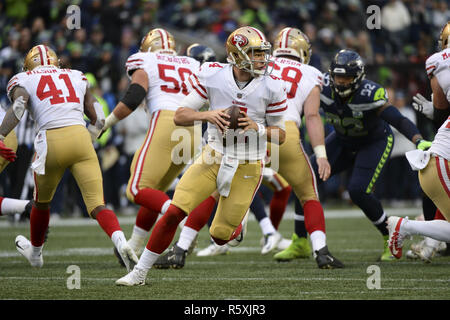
pixel 239 95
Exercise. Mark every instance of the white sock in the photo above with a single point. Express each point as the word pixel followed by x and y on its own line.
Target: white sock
pixel 138 237
pixel 12 206
pixel 118 238
pixel 267 226
pixel 147 259
pixel 165 206
pixel 36 251
pixel 436 229
pixel 318 240
pixel 187 235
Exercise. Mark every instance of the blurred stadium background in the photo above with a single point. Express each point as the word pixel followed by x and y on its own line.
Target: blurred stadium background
pixel 111 31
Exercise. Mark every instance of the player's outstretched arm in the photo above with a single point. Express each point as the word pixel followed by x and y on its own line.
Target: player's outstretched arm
pixel 316 132
pixel 136 92
pixel 405 126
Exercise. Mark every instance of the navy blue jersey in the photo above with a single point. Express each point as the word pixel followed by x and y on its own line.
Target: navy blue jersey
pixel 355 121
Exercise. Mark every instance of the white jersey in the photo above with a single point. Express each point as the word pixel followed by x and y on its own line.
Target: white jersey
pixel 441 142
pixel 300 80
pixel 263 97
pixel 438 65
pixel 56 95
pixel 166 76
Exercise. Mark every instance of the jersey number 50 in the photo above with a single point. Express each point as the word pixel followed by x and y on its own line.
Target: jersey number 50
pixel 163 68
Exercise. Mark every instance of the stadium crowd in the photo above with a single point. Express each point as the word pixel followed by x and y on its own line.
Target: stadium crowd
pixel 110 31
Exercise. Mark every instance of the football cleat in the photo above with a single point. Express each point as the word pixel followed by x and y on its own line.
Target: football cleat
pixel 175 258
pixel 23 245
pixel 298 249
pixel 237 241
pixel 25 215
pixel 325 260
pixel 128 256
pixel 396 237
pixel 428 249
pixel 271 241
pixel 284 244
pixel 135 278
pixel 386 255
pixel 213 250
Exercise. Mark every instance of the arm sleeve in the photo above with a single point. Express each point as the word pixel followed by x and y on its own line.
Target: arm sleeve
pixel 392 116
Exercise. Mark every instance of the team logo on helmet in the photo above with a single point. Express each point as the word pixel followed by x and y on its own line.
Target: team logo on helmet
pixel 239 40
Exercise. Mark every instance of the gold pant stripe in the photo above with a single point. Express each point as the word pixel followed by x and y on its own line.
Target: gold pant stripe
pixel 134 188
pixel 444 174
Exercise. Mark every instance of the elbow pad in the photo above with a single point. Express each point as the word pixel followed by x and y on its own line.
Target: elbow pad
pixel 398 121
pixel 19 107
pixel 134 96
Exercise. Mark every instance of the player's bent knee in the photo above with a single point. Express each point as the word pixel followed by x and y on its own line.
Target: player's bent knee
pixel 221 233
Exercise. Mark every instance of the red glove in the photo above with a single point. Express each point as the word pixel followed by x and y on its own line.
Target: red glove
pixel 6 152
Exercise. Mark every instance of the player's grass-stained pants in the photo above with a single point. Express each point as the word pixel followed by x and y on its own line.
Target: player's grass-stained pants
pixel 199 182
pixel 70 148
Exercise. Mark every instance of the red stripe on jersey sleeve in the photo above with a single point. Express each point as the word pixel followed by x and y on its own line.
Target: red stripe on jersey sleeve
pixel 276 110
pixel 196 89
pixel 277 103
pixel 199 84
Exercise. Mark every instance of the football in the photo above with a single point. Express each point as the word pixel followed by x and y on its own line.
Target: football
pixel 234 113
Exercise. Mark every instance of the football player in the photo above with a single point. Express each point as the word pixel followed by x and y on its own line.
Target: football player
pixel 8 148
pixel 362 141
pixel 234 169
pixel 292 52
pixel 157 78
pixel 437 110
pixel 56 98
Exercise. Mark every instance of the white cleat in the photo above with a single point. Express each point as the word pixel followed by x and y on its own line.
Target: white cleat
pixel 138 247
pixel 428 249
pixel 23 245
pixel 213 250
pixel 396 236
pixel 237 241
pixel 271 242
pixel 128 256
pixel 284 244
pixel 135 278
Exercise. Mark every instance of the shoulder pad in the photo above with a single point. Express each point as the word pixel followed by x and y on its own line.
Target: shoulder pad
pixel 370 95
pixel 210 68
pixel 16 80
pixel 136 61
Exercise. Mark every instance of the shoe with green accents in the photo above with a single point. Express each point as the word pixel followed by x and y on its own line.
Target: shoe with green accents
pixel 386 255
pixel 299 249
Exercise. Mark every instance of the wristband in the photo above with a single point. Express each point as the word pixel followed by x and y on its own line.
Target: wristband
pixel 261 130
pixel 110 121
pixel 320 151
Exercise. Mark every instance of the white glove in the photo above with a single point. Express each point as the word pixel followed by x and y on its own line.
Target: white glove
pixel 94 131
pixel 424 106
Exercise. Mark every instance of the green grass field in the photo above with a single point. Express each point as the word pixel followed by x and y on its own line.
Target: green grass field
pixel 244 274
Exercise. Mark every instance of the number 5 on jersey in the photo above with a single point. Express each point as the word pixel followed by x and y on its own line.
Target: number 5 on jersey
pixel 47 88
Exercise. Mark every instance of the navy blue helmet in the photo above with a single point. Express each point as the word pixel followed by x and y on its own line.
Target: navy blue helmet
pixel 201 53
pixel 347 63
